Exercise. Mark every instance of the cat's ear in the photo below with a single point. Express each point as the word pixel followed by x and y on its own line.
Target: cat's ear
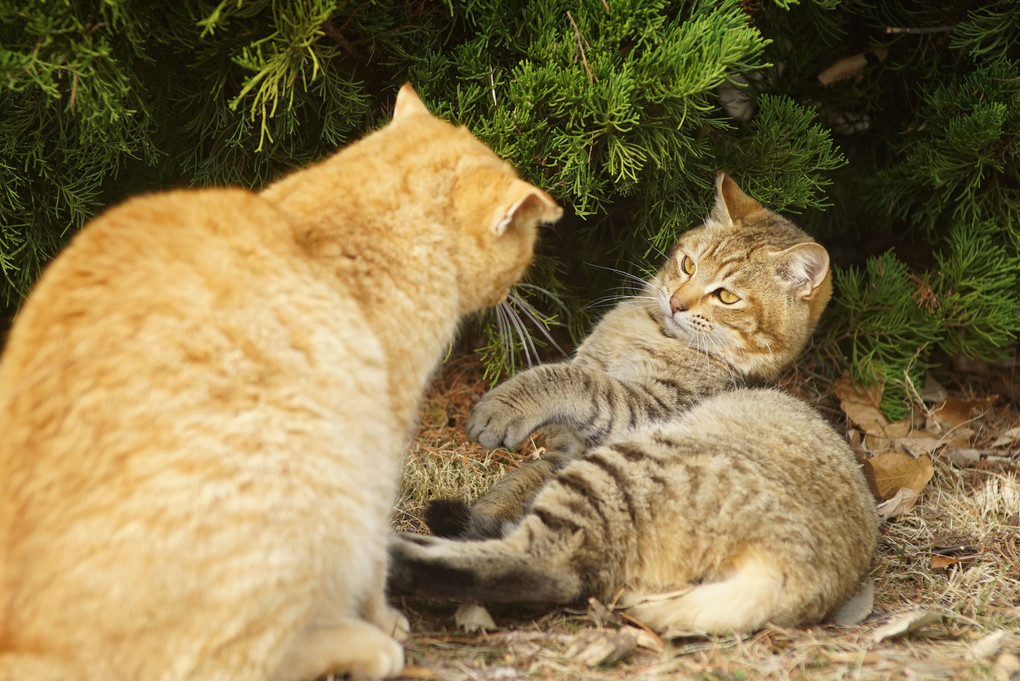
pixel 807 268
pixel 731 203
pixel 408 103
pixel 525 203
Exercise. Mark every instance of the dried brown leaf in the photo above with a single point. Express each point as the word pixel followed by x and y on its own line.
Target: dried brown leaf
pixel 933 390
pixel 473 617
pixel 1007 437
pixel 901 502
pixel 899 429
pixel 962 457
pixel 877 444
pixel 889 472
pixel 960 437
pixel 862 405
pixel 943 562
pixel 599 646
pixel 905 624
pixel 956 411
pixel 919 443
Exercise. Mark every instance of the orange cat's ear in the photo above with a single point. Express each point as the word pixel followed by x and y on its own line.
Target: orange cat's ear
pixel 731 203
pixel 527 204
pixel 408 103
pixel 808 268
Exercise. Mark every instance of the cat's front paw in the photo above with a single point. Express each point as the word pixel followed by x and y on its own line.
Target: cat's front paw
pixel 497 420
pixel 397 626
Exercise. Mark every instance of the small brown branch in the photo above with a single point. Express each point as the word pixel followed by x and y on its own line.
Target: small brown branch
pixel 932 29
pixel 580 46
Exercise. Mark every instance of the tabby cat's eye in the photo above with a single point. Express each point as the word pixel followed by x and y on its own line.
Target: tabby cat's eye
pixel 727 297
pixel 687 265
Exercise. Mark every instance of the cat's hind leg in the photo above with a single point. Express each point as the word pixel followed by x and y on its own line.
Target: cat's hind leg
pixel 742 600
pixel 351 646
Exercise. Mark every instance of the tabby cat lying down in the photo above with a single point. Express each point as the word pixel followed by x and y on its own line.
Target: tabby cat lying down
pixel 742 509
pixel 734 305
pixel 204 401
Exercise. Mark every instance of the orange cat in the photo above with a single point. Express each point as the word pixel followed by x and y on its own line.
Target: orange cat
pixel 203 404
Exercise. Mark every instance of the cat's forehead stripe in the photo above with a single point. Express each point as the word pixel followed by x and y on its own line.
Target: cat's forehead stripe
pixel 730 267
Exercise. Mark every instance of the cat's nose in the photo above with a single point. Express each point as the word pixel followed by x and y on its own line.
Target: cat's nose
pixel 675 304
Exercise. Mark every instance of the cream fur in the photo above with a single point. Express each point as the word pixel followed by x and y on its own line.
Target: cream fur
pixel 204 401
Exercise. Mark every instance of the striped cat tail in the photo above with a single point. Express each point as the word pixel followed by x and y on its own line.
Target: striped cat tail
pixel 490 571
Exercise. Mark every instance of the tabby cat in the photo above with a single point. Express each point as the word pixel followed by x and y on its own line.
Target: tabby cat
pixel 204 400
pixel 746 509
pixel 692 504
pixel 734 305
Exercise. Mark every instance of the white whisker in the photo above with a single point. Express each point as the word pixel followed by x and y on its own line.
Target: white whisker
pixel 606 301
pixel 623 273
pixel 527 344
pixel 505 336
pixel 726 362
pixel 532 314
pixel 549 295
pixel 655 248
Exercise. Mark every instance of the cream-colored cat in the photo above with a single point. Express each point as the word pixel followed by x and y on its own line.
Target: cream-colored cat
pixel 203 403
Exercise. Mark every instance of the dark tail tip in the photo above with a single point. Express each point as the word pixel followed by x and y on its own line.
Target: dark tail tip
pixel 448 518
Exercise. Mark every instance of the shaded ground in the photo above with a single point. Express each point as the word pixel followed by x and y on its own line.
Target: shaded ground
pixel 949 567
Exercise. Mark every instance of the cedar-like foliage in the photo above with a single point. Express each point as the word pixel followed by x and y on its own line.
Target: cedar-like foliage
pixel 906 166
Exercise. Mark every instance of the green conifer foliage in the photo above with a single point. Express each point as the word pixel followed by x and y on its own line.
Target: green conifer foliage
pixel 929 125
pixel 885 326
pixel 906 167
pixel 71 112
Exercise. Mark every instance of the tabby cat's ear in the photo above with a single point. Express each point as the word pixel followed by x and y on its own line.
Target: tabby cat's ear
pixel 408 103
pixel 731 203
pixel 525 204
pixel 807 268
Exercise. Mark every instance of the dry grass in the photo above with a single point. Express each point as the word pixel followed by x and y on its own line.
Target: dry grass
pixel 956 555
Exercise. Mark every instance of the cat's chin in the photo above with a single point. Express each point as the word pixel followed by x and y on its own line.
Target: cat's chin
pixel 674 330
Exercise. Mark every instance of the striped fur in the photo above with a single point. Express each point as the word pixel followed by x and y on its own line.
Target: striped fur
pixel 746 509
pixel 648 359
pixel 694 503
